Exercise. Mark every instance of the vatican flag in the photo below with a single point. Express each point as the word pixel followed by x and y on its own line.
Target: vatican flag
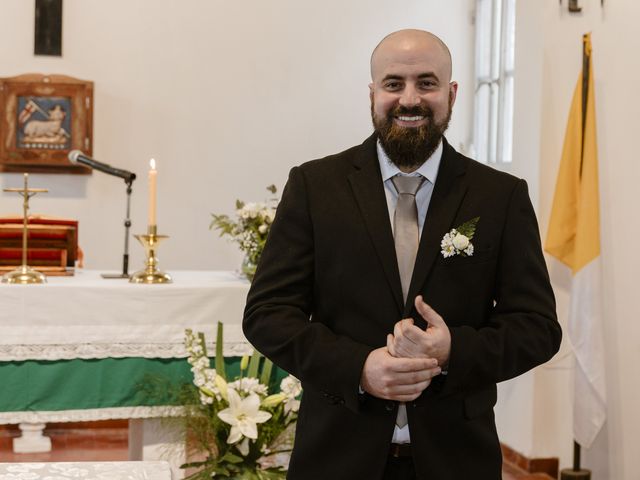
pixel 574 239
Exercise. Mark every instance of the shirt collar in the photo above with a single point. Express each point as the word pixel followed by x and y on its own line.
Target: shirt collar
pixel 429 169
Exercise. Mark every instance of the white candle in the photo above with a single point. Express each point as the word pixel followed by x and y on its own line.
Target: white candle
pixel 153 177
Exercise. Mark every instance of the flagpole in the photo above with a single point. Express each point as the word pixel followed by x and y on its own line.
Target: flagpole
pixel 576 473
pixel 576 456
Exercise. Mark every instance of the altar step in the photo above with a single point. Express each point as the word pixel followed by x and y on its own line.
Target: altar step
pixel 516 466
pixel 73 442
pixel 513 472
pixel 108 441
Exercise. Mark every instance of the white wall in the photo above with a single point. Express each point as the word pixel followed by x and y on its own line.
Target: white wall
pixel 517 420
pixel 617 72
pixel 614 456
pixel 227 96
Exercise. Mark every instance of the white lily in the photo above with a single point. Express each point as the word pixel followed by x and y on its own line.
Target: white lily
pixel 243 415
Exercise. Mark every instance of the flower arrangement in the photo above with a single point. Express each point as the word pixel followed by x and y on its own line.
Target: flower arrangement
pixel 250 230
pixel 458 240
pixel 239 425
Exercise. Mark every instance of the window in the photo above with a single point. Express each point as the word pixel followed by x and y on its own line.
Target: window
pixel 495 48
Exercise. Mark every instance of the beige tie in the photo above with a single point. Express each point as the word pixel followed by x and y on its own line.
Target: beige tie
pixel 406 237
pixel 405 227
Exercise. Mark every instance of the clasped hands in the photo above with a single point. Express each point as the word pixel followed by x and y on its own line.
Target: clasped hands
pixel 403 369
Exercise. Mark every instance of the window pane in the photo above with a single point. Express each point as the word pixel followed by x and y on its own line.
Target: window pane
pixel 481 123
pixel 507 123
pixel 495 53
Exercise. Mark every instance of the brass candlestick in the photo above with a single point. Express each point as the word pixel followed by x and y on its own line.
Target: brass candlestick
pixel 151 274
pixel 24 274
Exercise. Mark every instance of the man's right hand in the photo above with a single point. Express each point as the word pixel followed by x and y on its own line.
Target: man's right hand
pixel 400 379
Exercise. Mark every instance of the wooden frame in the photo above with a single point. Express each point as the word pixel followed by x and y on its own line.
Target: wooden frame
pixel 43 118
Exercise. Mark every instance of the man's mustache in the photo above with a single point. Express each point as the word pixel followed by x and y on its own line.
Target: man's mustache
pixel 418 110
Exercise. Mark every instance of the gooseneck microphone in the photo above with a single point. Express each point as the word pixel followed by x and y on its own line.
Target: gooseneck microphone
pixel 77 157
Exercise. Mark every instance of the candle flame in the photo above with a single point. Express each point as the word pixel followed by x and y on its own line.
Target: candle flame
pixel 152 164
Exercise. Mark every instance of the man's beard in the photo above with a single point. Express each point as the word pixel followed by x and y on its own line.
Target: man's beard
pixel 410 147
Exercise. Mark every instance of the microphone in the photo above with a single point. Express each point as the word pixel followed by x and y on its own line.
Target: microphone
pixel 77 157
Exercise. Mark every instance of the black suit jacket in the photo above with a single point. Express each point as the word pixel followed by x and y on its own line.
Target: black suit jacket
pixel 327 292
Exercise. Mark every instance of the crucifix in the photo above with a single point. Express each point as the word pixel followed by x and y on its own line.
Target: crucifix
pixel 48 28
pixel 24 274
pixel 575 8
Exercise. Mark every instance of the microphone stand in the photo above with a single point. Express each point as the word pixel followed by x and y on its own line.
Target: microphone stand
pixel 127 227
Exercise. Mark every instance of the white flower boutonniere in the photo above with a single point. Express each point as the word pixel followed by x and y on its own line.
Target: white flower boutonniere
pixel 458 240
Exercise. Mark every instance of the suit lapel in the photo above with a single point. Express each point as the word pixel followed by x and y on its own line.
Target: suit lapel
pixel 447 196
pixel 366 183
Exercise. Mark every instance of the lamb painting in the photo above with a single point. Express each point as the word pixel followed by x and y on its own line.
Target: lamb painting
pixel 42 118
pixel 44 123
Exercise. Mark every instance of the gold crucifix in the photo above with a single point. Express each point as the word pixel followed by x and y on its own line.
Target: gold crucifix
pixel 25 274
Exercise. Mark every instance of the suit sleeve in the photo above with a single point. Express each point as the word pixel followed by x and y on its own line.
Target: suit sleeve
pixel 278 315
pixel 522 330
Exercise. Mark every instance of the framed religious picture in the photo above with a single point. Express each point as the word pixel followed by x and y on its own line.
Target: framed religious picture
pixel 43 118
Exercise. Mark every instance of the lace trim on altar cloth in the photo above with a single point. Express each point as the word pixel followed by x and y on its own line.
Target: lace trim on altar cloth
pixel 89 415
pixel 86 470
pixel 17 353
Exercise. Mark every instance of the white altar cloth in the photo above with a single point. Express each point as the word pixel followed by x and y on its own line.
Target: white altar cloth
pixel 86 316
pixel 86 471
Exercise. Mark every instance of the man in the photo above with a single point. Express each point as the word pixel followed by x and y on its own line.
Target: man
pixel 399 345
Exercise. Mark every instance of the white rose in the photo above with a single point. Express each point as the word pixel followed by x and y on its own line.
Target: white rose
pixel 460 241
pixel 262 229
pixel 270 214
pixel 291 386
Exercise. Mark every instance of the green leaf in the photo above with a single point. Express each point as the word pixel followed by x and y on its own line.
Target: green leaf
pixel 468 229
pixel 272 474
pixel 231 458
pixel 239 204
pixel 254 364
pixel 272 189
pixel 248 475
pixel 221 470
pixel 220 369
pixel 203 343
pixel 267 367
pixel 193 464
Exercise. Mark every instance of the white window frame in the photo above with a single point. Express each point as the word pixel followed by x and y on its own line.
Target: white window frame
pixel 494 75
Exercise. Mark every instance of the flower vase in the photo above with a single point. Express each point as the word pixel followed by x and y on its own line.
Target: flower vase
pixel 248 268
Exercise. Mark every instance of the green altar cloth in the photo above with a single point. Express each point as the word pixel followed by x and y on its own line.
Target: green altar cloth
pixel 36 386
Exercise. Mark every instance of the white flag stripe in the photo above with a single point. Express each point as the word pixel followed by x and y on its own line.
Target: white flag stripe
pixel 586 333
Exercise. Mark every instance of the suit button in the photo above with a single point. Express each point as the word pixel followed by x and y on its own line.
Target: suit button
pixel 389 406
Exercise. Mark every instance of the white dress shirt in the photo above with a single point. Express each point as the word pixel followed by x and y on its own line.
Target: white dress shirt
pixel 429 170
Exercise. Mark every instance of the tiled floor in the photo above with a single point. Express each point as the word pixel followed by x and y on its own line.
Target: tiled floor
pixel 108 441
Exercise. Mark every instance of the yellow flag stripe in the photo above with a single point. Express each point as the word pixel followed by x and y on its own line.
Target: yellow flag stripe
pixel 574 229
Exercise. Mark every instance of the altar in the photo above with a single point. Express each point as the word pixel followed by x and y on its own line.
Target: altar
pixel 78 348
pixel 74 349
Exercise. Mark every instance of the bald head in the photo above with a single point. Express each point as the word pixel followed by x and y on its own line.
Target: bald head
pixel 412 95
pixel 410 44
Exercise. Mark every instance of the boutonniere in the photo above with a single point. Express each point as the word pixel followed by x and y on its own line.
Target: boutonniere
pixel 458 240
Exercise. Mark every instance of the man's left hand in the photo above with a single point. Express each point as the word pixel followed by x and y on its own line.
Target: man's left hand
pixel 411 341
